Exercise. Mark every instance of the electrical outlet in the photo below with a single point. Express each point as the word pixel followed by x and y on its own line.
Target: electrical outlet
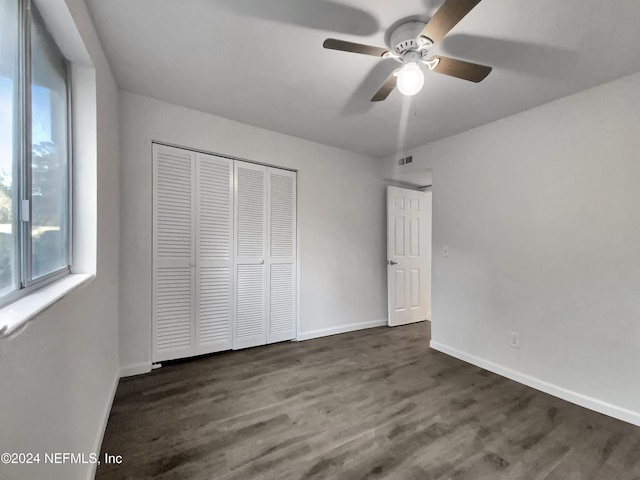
pixel 445 251
pixel 514 340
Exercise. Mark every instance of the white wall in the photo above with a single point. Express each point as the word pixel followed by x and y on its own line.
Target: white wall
pixel 58 376
pixel 541 215
pixel 340 217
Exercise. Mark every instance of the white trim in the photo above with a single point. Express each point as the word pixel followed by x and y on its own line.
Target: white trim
pixel 103 426
pixel 137 369
pixel 325 332
pixel 16 315
pixel 546 387
pixel 298 326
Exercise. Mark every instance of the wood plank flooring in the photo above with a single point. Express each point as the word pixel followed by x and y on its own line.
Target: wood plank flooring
pixel 371 404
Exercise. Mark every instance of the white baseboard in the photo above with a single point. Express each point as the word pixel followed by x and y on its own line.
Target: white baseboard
pixel 325 332
pixel 103 425
pixel 570 396
pixel 137 369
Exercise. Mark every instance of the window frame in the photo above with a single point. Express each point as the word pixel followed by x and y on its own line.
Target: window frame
pixel 23 245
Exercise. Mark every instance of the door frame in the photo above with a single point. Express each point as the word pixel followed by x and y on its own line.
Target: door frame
pixel 427 233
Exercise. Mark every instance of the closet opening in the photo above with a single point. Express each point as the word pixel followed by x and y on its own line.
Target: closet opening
pixel 224 254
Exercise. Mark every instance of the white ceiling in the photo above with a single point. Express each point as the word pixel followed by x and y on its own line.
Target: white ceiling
pixel 261 62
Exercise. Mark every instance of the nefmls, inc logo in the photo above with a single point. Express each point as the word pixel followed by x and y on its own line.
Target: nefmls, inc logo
pixel 75 458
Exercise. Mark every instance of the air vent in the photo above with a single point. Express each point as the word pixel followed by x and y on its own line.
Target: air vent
pixel 405 160
pixel 401 161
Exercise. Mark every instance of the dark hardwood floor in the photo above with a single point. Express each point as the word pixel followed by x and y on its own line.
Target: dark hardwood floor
pixel 371 404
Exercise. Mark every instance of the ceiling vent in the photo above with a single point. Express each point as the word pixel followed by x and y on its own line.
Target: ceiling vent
pixel 405 160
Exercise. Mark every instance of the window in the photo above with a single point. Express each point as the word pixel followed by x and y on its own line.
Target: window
pixel 34 153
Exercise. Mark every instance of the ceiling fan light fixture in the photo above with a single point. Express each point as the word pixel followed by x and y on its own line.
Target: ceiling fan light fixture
pixel 410 79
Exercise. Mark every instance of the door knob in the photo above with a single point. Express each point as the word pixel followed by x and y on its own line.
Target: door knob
pixel 391 262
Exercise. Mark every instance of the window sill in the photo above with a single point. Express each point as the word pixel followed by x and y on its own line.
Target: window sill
pixel 16 315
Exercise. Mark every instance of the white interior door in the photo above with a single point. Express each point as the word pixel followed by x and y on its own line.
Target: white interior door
pixel 250 197
pixel 407 258
pixel 281 258
pixel 174 253
pixel 214 254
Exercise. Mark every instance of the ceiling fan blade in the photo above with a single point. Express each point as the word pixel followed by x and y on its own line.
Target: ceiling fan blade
pixel 461 69
pixel 344 46
pixel 386 88
pixel 446 18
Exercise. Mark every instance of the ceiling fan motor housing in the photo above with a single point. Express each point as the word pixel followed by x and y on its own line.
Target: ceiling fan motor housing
pixel 403 40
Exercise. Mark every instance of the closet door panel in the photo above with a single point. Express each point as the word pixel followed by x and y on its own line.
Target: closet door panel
pixel 214 309
pixel 281 261
pixel 174 203
pixel 250 248
pixel 174 312
pixel 214 213
pixel 173 282
pixel 282 307
pixel 250 323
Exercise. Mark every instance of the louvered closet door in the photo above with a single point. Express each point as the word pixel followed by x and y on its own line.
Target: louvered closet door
pixel 173 253
pixel 214 252
pixel 250 199
pixel 281 259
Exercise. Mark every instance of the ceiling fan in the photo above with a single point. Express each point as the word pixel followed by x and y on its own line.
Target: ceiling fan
pixel 410 44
